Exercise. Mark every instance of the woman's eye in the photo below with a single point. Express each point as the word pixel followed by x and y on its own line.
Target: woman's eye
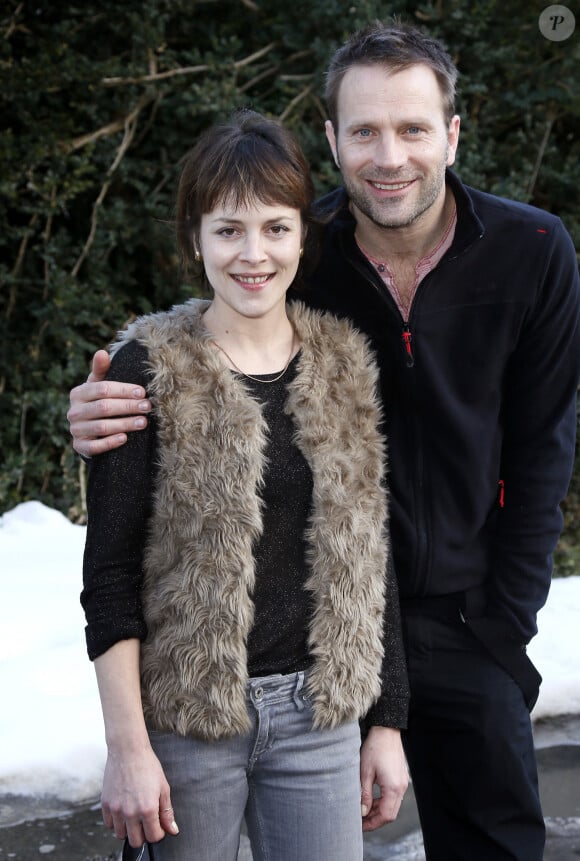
pixel 227 231
pixel 277 229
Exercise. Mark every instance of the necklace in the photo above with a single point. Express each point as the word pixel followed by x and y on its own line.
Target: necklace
pixel 257 379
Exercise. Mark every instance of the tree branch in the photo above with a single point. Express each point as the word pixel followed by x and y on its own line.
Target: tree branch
pixel 23 443
pixel 11 304
pixel 12 26
pixel 184 70
pixel 110 128
pixel 239 64
pixel 156 76
pixel 540 156
pixel 271 70
pixel 45 238
pixel 317 101
pixel 292 104
pixel 116 126
pixel 130 127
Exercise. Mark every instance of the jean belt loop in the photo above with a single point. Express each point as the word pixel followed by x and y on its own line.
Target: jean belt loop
pixel 298 695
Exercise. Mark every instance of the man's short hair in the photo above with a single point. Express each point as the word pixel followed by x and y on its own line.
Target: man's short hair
pixel 395 47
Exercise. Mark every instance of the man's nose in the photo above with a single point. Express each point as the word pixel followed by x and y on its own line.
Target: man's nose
pixel 390 152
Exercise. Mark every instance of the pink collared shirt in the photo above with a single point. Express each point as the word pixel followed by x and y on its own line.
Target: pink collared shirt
pixel 424 265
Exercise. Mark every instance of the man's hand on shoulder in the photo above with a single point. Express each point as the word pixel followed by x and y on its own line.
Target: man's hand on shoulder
pixel 103 412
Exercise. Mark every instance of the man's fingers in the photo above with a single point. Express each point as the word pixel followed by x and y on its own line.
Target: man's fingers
pixel 102 413
pixel 112 397
pixel 86 426
pixel 95 437
pixel 103 417
pixel 92 447
pixel 113 394
pixel 100 366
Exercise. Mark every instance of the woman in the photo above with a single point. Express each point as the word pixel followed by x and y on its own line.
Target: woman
pixel 240 610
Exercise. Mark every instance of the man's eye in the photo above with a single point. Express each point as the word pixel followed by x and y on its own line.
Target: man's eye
pixel 413 130
pixel 364 133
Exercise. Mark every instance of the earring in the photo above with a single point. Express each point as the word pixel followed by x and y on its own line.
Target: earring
pixel 197 257
pixel 301 252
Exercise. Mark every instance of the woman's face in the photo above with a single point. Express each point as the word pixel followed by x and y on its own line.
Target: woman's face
pixel 251 255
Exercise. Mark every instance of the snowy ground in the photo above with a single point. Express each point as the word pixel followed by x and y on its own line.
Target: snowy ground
pixel 51 736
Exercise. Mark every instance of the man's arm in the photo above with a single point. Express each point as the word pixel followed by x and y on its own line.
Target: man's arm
pixel 103 412
pixel 539 423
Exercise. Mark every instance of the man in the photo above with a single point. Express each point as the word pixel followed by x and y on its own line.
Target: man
pixel 472 305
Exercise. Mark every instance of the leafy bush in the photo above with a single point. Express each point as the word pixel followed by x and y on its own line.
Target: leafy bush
pixel 99 102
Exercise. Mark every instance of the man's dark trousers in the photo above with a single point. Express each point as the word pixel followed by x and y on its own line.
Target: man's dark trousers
pixel 469 744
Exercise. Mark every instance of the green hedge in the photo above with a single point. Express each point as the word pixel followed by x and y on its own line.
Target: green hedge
pixel 99 102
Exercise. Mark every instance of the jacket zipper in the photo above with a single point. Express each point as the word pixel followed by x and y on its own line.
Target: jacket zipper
pixel 406 334
pixel 407 339
pixel 422 561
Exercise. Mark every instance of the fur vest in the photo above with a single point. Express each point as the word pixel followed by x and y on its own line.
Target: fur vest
pixel 199 567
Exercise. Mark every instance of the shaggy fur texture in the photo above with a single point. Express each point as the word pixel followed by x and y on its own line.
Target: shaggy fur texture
pixel 199 566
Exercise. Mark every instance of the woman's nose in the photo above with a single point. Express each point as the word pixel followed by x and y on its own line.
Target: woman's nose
pixel 253 250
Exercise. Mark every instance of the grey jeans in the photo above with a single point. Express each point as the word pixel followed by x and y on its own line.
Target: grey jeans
pixel 298 788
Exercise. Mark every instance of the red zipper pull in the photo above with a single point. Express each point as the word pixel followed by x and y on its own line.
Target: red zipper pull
pixel 407 345
pixel 501 497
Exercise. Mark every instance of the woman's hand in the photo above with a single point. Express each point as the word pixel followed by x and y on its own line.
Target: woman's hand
pixel 136 798
pixel 382 762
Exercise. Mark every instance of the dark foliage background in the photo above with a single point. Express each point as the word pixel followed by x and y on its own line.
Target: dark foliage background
pixel 99 100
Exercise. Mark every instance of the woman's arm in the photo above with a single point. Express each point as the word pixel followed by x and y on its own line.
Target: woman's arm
pixel 136 797
pixel 119 497
pixel 382 761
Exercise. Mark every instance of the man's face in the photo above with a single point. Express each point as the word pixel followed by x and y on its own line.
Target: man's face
pixel 393 143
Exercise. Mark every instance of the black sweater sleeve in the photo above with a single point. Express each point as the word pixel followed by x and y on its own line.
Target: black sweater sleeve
pixel 392 706
pixel 119 498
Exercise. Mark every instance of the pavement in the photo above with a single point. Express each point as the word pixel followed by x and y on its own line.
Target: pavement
pixel 31 830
